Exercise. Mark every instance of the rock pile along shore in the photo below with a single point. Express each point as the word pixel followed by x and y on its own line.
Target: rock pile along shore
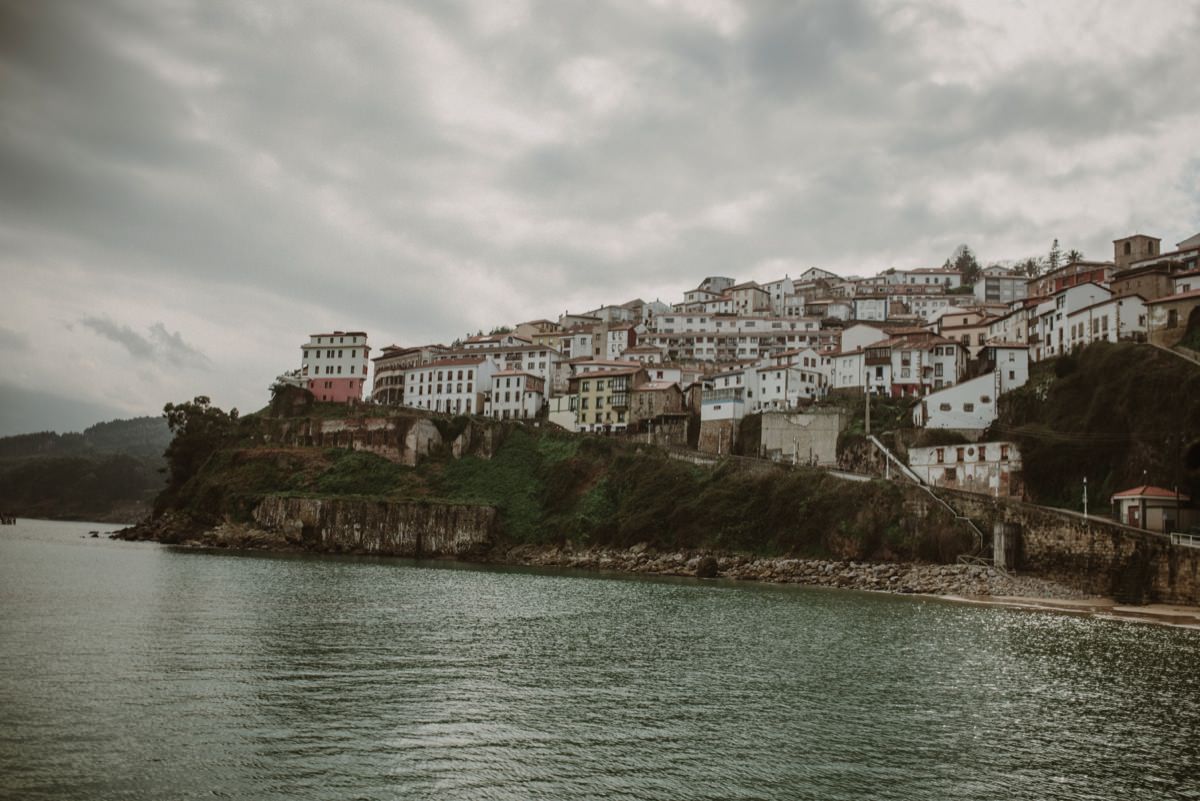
pixel 897 577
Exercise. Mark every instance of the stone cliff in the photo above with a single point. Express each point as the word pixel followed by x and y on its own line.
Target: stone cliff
pixel 402 439
pixel 378 527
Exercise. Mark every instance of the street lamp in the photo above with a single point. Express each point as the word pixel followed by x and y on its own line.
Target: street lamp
pixel 1085 496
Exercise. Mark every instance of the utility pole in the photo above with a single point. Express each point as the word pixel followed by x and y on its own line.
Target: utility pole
pixel 867 396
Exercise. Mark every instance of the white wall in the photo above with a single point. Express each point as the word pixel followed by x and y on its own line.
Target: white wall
pixel 961 406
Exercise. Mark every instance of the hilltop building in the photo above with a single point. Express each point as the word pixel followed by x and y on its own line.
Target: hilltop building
pixel 334 366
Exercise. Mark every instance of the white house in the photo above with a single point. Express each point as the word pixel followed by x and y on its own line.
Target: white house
pixel 783 386
pixel 929 307
pixel 848 369
pixel 333 366
pixel 969 406
pixel 992 468
pixel 515 395
pixel 871 307
pixel 1051 338
pixel 860 335
pixel 1109 320
pixel 453 386
pixel 935 276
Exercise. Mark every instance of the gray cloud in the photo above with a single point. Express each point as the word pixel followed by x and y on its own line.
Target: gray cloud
pixel 158 345
pixel 418 171
pixel 25 410
pixel 13 339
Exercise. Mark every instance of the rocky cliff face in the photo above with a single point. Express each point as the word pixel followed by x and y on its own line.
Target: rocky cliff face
pixel 379 527
pixel 400 439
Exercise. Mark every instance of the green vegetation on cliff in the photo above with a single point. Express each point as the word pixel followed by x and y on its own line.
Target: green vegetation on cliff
pixel 551 488
pixel 1120 414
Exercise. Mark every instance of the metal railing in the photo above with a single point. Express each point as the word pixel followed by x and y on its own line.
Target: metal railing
pixel 910 474
pixel 1186 540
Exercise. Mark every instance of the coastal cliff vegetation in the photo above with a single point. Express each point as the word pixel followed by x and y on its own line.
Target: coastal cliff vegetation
pixel 551 488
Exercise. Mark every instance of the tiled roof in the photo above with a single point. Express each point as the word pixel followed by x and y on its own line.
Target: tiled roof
pixel 450 363
pixel 1147 491
pixel 607 373
pixel 1195 293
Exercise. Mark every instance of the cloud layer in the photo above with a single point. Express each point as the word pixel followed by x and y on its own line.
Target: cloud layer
pixel 225 178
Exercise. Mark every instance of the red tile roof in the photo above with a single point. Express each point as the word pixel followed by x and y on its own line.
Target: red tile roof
pixel 1147 491
pixel 451 363
pixel 1195 293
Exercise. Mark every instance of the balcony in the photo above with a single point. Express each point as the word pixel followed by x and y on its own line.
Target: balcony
pixel 723 394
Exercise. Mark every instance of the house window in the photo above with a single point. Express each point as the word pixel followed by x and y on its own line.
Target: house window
pixel 968 407
pixel 983 453
pixel 960 454
pixel 941 455
pixel 944 407
pixel 948 475
pixel 1004 453
pixel 985 399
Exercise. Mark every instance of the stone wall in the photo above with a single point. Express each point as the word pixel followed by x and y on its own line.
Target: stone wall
pixel 403 439
pixel 377 527
pixel 717 436
pixel 808 438
pixel 1094 554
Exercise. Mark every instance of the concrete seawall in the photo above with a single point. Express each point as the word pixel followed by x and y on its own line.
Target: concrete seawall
pixel 378 527
pixel 1093 554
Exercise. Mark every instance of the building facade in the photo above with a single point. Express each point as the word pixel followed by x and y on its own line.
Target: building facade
pixel 334 366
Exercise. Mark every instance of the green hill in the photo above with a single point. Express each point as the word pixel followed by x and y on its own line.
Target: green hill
pixel 551 488
pixel 111 471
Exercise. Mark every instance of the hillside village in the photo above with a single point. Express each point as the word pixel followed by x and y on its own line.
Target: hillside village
pixel 951 339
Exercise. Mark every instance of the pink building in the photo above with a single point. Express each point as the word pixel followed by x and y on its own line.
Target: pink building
pixel 334 366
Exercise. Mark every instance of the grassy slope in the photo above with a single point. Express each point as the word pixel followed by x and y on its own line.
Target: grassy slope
pixel 552 488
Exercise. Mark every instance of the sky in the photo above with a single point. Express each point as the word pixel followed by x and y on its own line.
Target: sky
pixel 189 189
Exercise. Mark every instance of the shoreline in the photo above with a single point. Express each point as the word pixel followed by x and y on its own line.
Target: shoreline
pixel 975 585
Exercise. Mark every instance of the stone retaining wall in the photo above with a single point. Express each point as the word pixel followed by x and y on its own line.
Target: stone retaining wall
pixel 378 527
pixel 1095 554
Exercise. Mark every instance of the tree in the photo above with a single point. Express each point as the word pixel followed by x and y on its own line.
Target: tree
pixel 965 262
pixel 1073 256
pixel 200 429
pixel 1031 267
pixel 500 329
pixel 1054 258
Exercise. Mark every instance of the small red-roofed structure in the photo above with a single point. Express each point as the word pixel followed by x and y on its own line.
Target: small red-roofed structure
pixel 1154 509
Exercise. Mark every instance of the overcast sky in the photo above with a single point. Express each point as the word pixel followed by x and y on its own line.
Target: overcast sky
pixel 189 189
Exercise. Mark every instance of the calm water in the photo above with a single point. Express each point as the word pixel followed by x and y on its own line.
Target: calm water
pixel 135 671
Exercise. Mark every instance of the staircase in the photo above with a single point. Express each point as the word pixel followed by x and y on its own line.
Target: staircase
pixel 907 472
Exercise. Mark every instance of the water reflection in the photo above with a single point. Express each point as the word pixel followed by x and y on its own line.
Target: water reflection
pixel 140 672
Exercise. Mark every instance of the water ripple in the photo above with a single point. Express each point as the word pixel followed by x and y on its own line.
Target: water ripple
pixel 136 672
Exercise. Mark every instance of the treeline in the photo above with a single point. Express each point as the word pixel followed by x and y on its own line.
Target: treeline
pixel 102 487
pixel 140 437
pixel 110 471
